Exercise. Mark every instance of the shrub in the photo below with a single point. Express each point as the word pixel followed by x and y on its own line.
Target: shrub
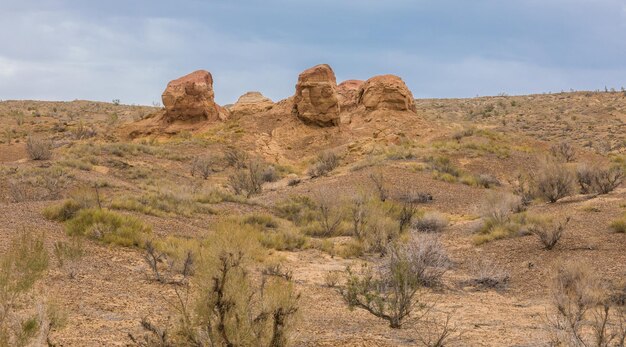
pixel 584 309
pixel 427 258
pixel 443 165
pixel 298 209
pixel 160 204
pixel 599 180
pixel 548 232
pixel 380 230
pixel 202 166
pixel 522 187
pixel 64 211
pixel 236 158
pixel 108 227
pixel 488 275
pixel 431 222
pixel 607 180
pixel 38 148
pixel 21 266
pixel 388 294
pixel 264 221
pixel 324 164
pixel 498 206
pixel 283 240
pixel 329 213
pixel 390 291
pixel 487 181
pixel 563 151
pixel 378 179
pixel 248 180
pixel 232 309
pixel 68 254
pixel 553 181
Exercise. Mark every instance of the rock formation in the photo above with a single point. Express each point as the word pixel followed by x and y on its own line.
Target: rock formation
pixel 386 92
pixel 251 103
pixel 348 94
pixel 316 98
pixel 191 98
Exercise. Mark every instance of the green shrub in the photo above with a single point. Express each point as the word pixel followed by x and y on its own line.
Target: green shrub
pixel 283 240
pixel 62 212
pixel 263 221
pixel 109 227
pixel 298 209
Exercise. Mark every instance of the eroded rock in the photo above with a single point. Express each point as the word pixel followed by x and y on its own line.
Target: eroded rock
pixel 386 92
pixel 316 99
pixel 191 98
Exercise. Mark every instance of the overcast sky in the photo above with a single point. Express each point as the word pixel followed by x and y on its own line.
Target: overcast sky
pixel 130 49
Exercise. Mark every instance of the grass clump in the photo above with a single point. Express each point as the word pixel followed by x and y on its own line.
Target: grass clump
pixel 108 227
pixel 500 218
pixel 619 225
pixel 160 205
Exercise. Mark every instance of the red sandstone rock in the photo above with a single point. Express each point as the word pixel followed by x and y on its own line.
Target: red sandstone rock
pixel 316 98
pixel 191 98
pixel 386 92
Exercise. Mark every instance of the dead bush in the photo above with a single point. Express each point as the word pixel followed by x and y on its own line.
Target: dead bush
pixel 599 180
pixel 563 151
pixel 498 207
pixel 330 214
pixel 522 187
pixel 359 215
pixel 606 180
pixel 38 148
pixel 324 164
pixel 203 166
pixel 547 231
pixel 553 181
pixel 431 222
pixel 378 179
pixel 408 209
pixel 583 311
pixel 488 275
pixel 236 158
pixel 247 180
pixel 427 258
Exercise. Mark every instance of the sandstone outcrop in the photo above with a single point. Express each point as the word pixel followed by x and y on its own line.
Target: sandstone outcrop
pixel 251 103
pixel 316 99
pixel 348 94
pixel 191 98
pixel 386 92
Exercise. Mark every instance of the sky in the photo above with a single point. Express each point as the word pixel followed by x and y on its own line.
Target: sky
pixel 130 49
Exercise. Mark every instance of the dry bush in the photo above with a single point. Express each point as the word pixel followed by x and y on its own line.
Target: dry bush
pixel 619 225
pixel 488 275
pixel 547 231
pixel 324 164
pixel 68 254
pixel 498 207
pixel 427 258
pixel 443 165
pixel 522 187
pixel 408 210
pixel 607 180
pixel 21 266
pixel 599 180
pixel 563 151
pixel 329 214
pixel 431 222
pixel 553 181
pixel 38 148
pixel 164 267
pixel 378 180
pixel 236 158
pixel 379 231
pixel 82 131
pixel 153 336
pixel 359 211
pixel 202 165
pixel 247 180
pixel 585 315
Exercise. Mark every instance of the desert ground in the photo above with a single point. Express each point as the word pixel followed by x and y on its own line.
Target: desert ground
pixel 119 184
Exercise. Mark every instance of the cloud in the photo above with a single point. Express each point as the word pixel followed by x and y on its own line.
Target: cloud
pixel 67 49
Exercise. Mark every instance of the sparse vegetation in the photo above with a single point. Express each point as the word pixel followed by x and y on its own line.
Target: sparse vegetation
pixel 109 227
pixel 38 148
pixel 553 181
pixel 324 164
